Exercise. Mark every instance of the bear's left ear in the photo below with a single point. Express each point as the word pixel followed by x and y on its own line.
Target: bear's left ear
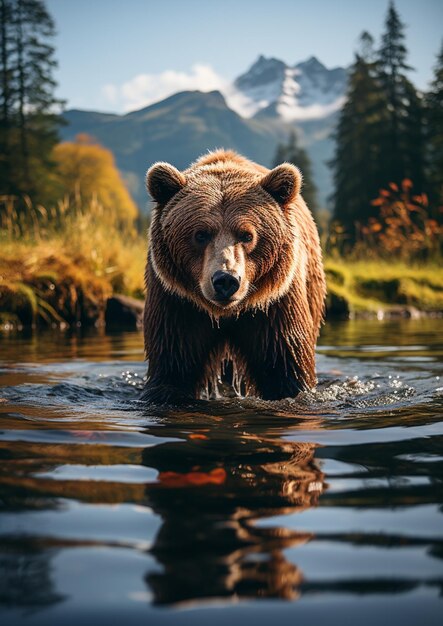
pixel 283 183
pixel 163 181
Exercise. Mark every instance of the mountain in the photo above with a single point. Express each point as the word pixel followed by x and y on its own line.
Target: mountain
pixel 305 91
pixel 252 116
pixel 178 130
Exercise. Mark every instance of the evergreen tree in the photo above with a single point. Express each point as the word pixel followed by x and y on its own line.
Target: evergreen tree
pixel 28 115
pixel 357 154
pixel 293 153
pixel 434 135
pixel 6 92
pixel 380 130
pixel 401 118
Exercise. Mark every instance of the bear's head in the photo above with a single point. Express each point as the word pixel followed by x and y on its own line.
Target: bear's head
pixel 226 235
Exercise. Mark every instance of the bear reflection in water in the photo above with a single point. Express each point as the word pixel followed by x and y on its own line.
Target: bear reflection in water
pixel 218 476
pixel 210 494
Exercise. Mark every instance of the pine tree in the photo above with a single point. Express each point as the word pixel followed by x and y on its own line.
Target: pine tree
pixel 28 116
pixel 434 135
pixel 401 119
pixel 293 153
pixel 6 92
pixel 357 154
pixel 380 130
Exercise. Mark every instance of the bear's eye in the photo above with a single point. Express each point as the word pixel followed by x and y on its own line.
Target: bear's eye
pixel 245 237
pixel 203 236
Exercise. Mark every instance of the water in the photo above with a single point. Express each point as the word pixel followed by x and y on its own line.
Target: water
pixel 327 507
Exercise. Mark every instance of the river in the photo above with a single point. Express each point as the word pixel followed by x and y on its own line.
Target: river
pixel 325 508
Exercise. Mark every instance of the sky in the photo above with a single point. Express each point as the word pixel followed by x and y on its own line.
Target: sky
pixel 121 55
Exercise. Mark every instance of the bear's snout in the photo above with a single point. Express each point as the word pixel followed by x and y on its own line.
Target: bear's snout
pixel 225 284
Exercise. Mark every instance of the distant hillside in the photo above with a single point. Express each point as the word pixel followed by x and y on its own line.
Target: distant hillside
pixel 178 130
pixel 254 114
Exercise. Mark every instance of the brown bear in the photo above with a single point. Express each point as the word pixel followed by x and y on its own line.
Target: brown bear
pixel 234 279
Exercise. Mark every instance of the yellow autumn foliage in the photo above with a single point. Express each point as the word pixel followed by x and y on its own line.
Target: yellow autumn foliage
pixel 87 172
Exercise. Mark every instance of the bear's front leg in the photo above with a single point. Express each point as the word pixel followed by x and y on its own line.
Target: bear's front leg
pixel 276 378
pixel 178 341
pixel 279 356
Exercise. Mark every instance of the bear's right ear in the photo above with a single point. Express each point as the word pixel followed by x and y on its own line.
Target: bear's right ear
pixel 163 181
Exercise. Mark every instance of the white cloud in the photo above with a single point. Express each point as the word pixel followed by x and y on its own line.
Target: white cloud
pixel 239 102
pixel 145 89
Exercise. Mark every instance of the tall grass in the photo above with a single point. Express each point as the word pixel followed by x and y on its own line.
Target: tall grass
pixel 59 264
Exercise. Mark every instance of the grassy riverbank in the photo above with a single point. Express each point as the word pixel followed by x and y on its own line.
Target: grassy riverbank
pixel 67 279
pixel 382 289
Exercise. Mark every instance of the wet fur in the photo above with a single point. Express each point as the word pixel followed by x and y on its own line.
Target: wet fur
pixel 271 333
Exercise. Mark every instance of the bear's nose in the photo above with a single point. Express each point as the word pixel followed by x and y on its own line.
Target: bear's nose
pixel 225 284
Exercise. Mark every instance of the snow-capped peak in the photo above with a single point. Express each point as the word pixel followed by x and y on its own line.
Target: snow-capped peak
pixel 307 90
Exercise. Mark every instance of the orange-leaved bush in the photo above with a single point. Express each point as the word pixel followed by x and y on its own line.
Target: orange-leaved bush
pixel 404 228
pixel 88 175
